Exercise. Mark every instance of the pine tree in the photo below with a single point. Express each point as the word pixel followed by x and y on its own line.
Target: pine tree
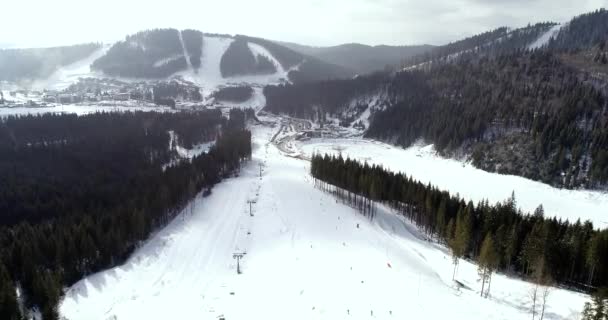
pixel 461 238
pixel 487 262
pixel 600 301
pixel 587 312
pixel 511 247
pixel 592 256
pixel 440 220
pixel 9 309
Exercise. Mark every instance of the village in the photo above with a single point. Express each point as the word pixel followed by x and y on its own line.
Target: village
pixel 174 93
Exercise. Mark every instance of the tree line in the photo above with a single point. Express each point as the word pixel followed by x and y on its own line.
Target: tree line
pixel 234 94
pixel 499 237
pixel 79 193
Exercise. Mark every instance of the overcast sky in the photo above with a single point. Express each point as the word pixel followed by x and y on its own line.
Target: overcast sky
pixel 313 22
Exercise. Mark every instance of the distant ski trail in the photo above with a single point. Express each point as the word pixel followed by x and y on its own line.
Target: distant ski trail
pixel 186 56
pixel 545 37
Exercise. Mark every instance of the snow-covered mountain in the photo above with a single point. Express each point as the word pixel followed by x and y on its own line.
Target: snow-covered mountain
pixel 362 58
pixel 206 59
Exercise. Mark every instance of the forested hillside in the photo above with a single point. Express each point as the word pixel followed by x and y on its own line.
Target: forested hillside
pixel 151 54
pixel 499 41
pixel 193 42
pixel 239 60
pixel 29 64
pixel 526 114
pixel 539 113
pixel 362 58
pixel 79 193
pixel 313 100
pixel 234 94
pixel 582 32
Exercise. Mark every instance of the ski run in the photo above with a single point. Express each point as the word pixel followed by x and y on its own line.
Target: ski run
pixel 305 255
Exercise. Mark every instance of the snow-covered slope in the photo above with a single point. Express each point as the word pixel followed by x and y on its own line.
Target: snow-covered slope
pixel 307 257
pixel 80 109
pixel 209 76
pixel 544 38
pixel 257 49
pixel 423 164
pixel 64 76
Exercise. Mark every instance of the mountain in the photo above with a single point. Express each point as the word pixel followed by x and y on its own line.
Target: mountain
pixel 208 60
pixel 528 102
pixel 359 57
pixel 164 52
pixel 492 42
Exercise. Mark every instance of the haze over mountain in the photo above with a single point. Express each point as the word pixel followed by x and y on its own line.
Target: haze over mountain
pixel 362 58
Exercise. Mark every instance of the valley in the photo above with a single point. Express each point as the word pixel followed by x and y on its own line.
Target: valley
pixel 307 256
pixel 176 173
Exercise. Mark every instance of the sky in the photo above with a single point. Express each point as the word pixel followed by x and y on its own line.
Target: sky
pixel 39 23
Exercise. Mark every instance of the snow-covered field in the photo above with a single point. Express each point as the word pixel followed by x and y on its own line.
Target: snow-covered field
pixel 307 257
pixel 256 102
pixel 82 109
pixel 423 164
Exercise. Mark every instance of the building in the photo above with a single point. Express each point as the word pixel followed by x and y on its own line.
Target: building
pixel 121 96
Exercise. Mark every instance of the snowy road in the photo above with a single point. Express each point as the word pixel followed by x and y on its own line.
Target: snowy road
pixel 307 257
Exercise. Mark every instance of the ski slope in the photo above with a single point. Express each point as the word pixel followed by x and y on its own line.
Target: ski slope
pixel 545 37
pixel 307 257
pixel 209 76
pixel 257 49
pixel 455 176
pixel 64 76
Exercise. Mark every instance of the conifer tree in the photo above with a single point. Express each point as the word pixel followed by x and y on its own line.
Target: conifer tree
pixel 461 238
pixel 9 308
pixel 487 262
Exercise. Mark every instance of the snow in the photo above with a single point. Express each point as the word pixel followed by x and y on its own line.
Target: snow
pixel 185 153
pixel 374 102
pixel 305 259
pixel 421 162
pixel 164 61
pixel 545 37
pixel 209 76
pixel 81 109
pixel 257 101
pixel 64 76
pixel 185 52
pixel 257 49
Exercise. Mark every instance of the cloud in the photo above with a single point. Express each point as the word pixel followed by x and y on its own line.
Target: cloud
pixel 315 22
